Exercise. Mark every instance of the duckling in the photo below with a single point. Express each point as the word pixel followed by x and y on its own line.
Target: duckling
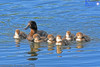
pixel 59 40
pixel 69 36
pixel 19 34
pixel 37 38
pixel 33 26
pixel 50 38
pixel 80 37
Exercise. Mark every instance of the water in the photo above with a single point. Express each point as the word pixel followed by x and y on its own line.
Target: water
pixel 55 17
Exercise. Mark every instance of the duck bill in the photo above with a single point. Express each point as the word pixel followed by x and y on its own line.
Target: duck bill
pixel 27 27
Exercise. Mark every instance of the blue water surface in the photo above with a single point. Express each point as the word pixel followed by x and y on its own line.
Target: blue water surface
pixel 55 17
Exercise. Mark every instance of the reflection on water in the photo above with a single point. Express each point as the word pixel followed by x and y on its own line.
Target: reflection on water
pixel 68 47
pixel 17 41
pixel 79 45
pixel 59 49
pixel 50 46
pixel 33 49
pixel 92 2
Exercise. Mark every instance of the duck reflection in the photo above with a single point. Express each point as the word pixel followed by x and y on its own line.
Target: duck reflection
pixel 68 47
pixel 59 49
pixel 79 45
pixel 50 46
pixel 33 49
pixel 17 41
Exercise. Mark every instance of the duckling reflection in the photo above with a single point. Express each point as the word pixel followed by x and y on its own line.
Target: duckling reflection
pixel 34 48
pixel 50 46
pixel 17 41
pixel 59 49
pixel 68 47
pixel 79 45
pixel 32 58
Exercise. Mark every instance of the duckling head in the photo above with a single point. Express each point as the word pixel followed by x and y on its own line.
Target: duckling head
pixel 17 33
pixel 50 37
pixel 68 34
pixel 79 35
pixel 58 38
pixel 36 37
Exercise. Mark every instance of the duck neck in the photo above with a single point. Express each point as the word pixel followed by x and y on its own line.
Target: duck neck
pixel 32 32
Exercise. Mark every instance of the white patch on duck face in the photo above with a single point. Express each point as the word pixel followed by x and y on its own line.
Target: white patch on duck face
pixel 68 38
pixel 51 38
pixel 58 39
pixel 49 41
pixel 16 35
pixel 67 35
pixel 59 43
pixel 36 39
pixel 78 39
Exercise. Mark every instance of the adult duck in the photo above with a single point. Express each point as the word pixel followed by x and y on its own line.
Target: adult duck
pixel 33 27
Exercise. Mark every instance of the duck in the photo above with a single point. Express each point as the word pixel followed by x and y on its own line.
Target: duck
pixel 59 40
pixel 80 37
pixel 37 38
pixel 51 38
pixel 33 27
pixel 19 34
pixel 69 36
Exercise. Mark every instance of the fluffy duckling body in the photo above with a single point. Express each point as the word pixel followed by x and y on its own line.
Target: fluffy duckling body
pixel 37 38
pixel 50 38
pixel 19 34
pixel 80 37
pixel 59 40
pixel 69 36
pixel 33 26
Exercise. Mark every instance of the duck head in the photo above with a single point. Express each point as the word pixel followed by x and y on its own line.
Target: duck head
pixel 58 38
pixel 17 33
pixel 36 38
pixel 79 37
pixel 31 25
pixel 68 35
pixel 50 37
